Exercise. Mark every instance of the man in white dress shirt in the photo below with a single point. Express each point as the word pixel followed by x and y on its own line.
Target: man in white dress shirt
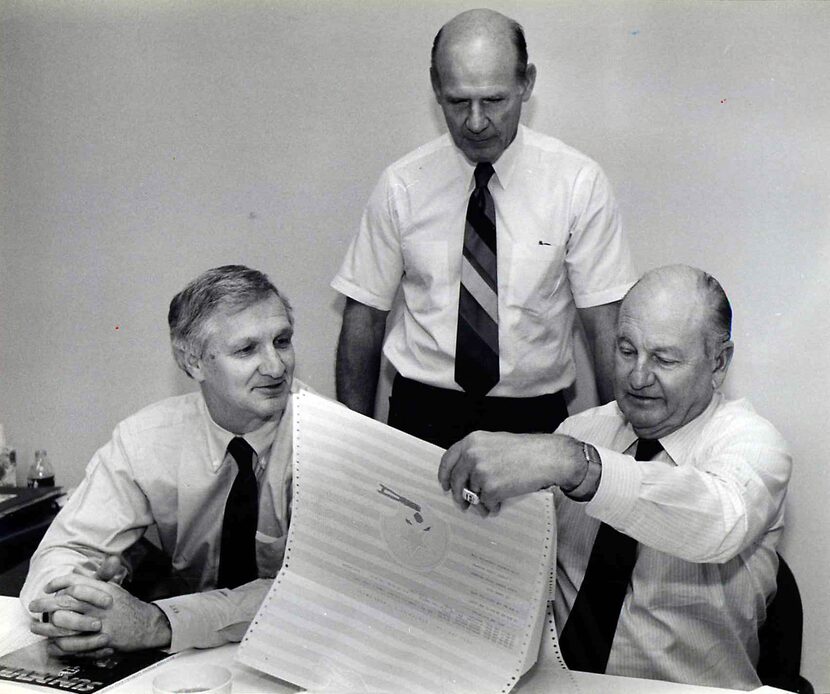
pixel 173 466
pixel 555 249
pixel 703 515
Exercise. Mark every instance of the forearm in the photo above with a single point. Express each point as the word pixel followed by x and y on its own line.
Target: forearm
pixel 213 618
pixel 356 377
pixel 357 365
pixel 600 325
pixel 603 352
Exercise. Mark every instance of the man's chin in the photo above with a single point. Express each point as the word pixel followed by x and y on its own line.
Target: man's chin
pixel 274 403
pixel 640 412
pixel 478 152
pixel 484 156
pixel 270 406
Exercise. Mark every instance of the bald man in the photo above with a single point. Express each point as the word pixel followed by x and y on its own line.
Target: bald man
pixel 496 236
pixel 696 518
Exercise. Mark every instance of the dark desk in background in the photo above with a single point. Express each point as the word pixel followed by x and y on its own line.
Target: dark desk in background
pixel 24 519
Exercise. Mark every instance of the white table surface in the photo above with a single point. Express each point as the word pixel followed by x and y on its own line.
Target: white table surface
pixel 544 678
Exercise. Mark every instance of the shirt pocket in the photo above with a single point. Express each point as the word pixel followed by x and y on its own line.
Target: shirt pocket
pixel 535 273
pixel 427 270
pixel 269 554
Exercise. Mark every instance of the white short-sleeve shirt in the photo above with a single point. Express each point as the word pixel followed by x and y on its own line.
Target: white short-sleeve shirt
pixel 560 247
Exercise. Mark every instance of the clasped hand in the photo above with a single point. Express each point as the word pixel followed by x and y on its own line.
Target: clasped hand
pixel 89 614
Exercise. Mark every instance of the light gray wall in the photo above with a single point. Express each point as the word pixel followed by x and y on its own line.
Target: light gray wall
pixel 143 142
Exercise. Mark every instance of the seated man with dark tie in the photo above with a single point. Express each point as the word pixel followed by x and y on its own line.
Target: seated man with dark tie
pixel 210 471
pixel 670 500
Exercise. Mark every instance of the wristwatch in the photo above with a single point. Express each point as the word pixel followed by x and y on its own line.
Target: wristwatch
pixel 586 489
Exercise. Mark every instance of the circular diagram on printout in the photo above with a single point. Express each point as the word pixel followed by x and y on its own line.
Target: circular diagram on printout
pixel 416 538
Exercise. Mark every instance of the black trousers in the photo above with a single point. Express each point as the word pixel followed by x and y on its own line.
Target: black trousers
pixel 443 416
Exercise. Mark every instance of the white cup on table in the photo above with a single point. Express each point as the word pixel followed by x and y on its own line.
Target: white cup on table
pixel 204 679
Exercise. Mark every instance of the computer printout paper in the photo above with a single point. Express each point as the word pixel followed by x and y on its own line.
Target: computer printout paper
pixel 389 586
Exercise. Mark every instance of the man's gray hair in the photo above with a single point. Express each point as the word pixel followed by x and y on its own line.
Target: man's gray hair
pixel 228 288
pixel 720 312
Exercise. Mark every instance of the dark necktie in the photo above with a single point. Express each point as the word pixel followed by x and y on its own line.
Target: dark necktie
pixel 237 554
pixel 477 339
pixel 586 639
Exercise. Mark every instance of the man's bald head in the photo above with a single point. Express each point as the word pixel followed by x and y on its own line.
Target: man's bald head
pixel 694 292
pixel 482 25
pixel 672 348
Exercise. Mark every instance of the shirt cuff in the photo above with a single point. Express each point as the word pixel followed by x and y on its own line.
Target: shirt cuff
pixel 600 298
pixel 212 618
pixel 184 624
pixel 360 294
pixel 618 489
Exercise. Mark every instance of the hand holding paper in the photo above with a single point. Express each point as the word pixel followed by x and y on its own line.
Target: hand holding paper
pixel 499 466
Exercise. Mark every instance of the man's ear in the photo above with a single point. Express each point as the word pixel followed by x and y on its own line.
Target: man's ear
pixel 722 361
pixel 195 365
pixel 435 81
pixel 530 81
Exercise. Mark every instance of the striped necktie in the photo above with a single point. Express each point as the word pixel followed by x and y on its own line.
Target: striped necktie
pixel 237 553
pixel 589 632
pixel 477 339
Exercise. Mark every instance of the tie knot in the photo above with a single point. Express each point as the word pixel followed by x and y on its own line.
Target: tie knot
pixel 242 453
pixel 647 449
pixel 483 173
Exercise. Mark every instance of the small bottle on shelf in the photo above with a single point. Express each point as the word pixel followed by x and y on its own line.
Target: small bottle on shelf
pixel 41 473
pixel 8 462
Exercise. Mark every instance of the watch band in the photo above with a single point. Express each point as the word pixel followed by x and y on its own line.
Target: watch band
pixel 586 489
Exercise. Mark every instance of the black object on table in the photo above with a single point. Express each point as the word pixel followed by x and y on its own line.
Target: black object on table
pixel 25 514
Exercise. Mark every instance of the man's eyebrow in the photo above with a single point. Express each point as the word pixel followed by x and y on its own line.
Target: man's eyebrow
pixel 667 349
pixel 240 342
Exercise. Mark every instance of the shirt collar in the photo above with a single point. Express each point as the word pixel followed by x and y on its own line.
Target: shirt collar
pixel 506 164
pixel 218 439
pixel 679 442
pixel 504 167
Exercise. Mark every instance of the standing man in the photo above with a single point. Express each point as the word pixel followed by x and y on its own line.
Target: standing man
pixel 497 236
pixel 669 501
pixel 210 471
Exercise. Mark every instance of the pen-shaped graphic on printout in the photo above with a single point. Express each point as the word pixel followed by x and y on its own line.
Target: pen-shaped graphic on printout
pixel 406 502
pixel 421 544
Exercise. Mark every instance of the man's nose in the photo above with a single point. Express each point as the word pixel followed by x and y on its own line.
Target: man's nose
pixel 640 376
pixel 476 119
pixel 272 363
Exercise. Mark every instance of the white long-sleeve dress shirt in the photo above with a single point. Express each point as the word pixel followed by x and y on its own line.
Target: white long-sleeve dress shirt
pixel 707 514
pixel 167 466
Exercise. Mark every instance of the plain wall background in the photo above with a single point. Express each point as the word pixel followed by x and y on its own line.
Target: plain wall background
pixel 143 142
